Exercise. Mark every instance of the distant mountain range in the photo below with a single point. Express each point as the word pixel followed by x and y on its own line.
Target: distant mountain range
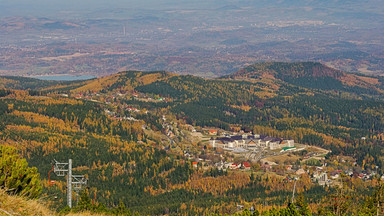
pixel 310 75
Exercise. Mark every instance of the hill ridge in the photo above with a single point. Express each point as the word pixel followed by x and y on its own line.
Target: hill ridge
pixel 288 69
pixel 312 75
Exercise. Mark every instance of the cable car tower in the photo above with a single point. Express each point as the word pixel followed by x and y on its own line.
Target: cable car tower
pixel 74 182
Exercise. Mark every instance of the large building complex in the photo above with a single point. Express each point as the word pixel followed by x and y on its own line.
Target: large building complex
pixel 251 142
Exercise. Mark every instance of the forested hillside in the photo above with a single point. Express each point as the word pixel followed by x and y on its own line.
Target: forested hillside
pixel 312 75
pixel 113 154
pixel 127 134
pixel 256 100
pixel 123 81
pixel 26 83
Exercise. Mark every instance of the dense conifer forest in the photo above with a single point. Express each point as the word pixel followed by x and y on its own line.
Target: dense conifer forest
pixel 117 131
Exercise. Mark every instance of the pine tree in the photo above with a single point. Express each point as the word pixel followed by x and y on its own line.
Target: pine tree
pixel 121 210
pixel 303 206
pixel 291 210
pixel 252 177
pixel 84 202
pixel 15 175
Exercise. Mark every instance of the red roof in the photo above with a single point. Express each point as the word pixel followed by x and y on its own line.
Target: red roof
pixel 246 164
pixel 194 163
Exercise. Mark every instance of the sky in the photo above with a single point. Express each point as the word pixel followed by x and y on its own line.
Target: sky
pixel 51 7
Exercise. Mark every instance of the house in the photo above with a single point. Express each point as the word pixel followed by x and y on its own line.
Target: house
pixel 246 166
pixel 187 154
pixel 335 174
pixel 300 172
pixel 220 165
pixel 266 166
pixel 194 164
pixel 212 132
pixel 349 172
pixel 190 128
pixel 234 166
pixel 227 165
pixel 132 109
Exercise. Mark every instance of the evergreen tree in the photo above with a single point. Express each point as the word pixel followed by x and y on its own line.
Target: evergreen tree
pixel 303 206
pixel 290 210
pixel 84 202
pixel 373 204
pixel 15 175
pixel 121 210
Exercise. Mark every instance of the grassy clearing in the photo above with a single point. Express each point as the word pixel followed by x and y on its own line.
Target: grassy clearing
pixel 16 205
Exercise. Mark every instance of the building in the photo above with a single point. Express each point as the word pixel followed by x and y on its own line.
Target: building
pixel 287 143
pixel 212 132
pixel 300 172
pixel 246 166
pixel 321 178
pixel 234 166
pixel 194 164
pixel 250 142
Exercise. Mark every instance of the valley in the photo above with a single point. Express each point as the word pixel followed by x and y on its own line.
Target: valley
pixel 162 143
pixel 206 39
pixel 178 108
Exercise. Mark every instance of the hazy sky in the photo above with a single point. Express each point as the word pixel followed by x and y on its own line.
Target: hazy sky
pixel 82 8
pixel 50 7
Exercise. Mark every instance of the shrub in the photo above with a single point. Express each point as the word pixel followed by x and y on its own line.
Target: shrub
pixel 15 175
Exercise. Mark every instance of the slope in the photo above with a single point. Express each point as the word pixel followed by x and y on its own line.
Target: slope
pixel 117 147
pixel 312 75
pixel 122 160
pixel 308 102
pixel 124 81
pixel 16 205
pixel 26 83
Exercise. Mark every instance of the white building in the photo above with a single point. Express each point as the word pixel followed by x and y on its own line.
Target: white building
pixel 250 142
